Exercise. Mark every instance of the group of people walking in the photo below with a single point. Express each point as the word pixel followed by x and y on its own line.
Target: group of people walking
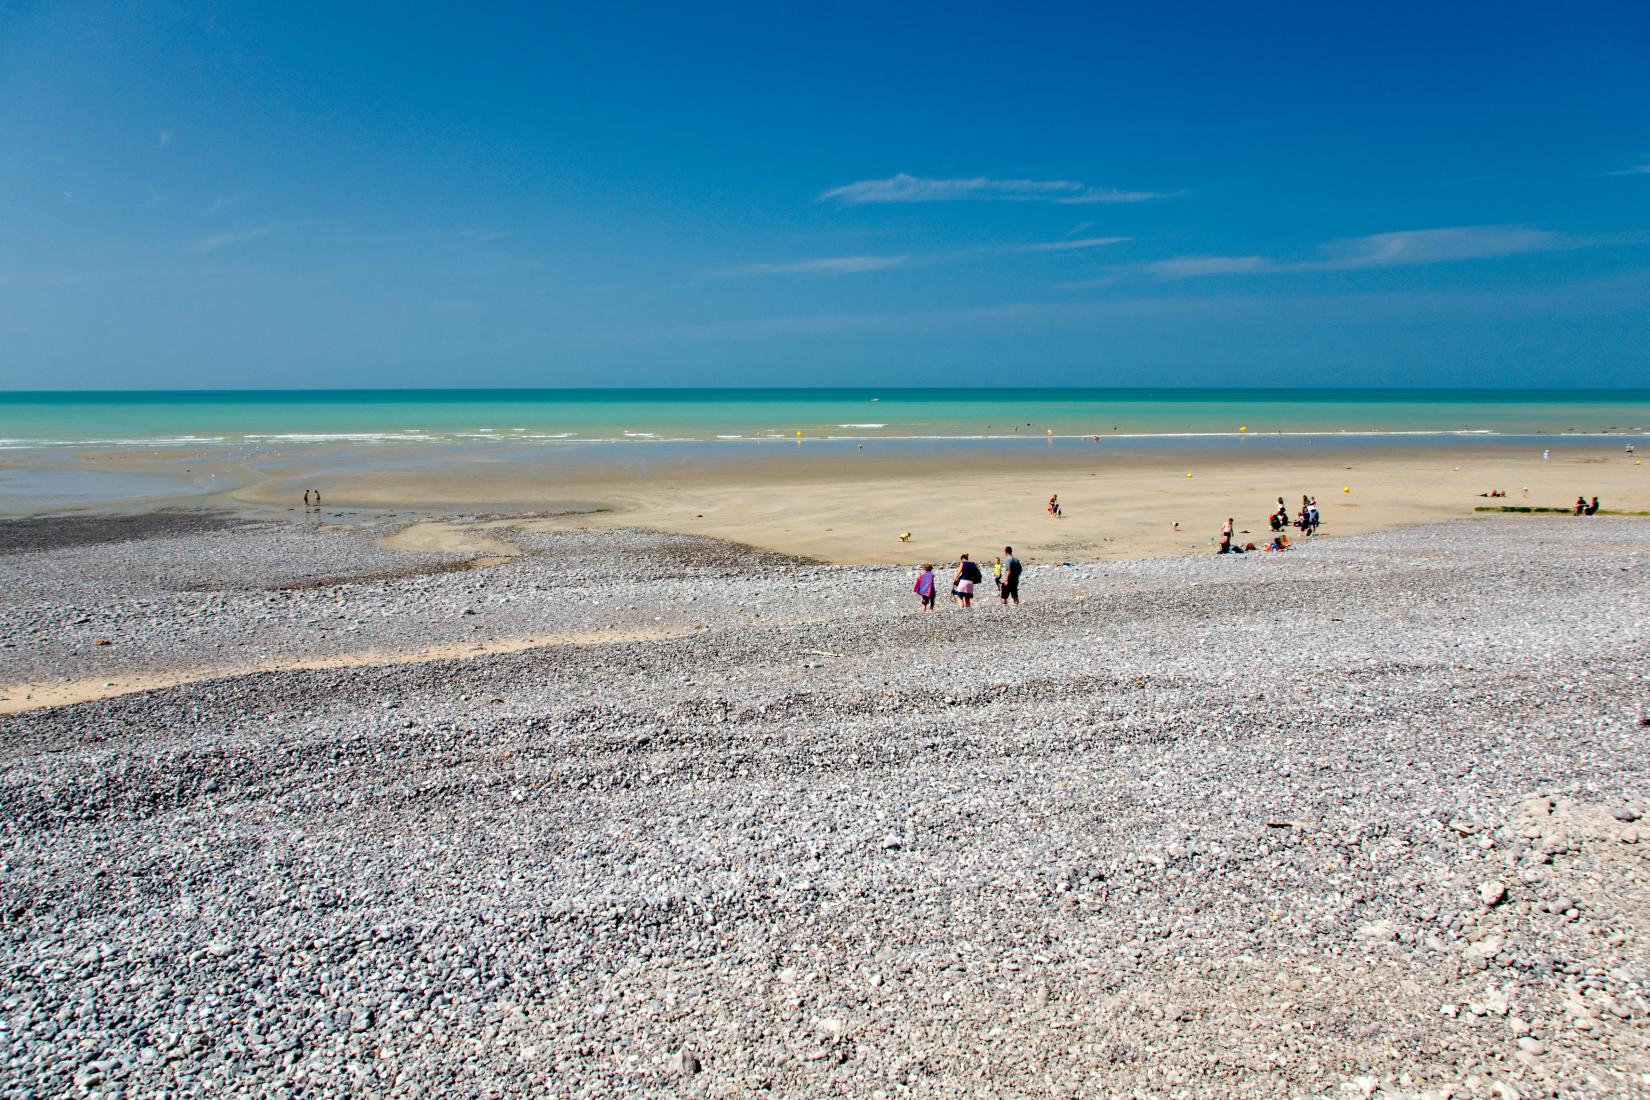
pixel 1005 573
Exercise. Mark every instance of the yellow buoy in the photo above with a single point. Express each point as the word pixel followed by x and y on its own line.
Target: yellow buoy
pixel 799 435
pixel 1188 475
pixel 1243 427
pixel 1348 489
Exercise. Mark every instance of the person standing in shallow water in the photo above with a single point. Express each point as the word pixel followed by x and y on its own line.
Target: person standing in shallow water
pixel 1009 589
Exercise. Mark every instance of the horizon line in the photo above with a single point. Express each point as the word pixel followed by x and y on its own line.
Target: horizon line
pixel 865 389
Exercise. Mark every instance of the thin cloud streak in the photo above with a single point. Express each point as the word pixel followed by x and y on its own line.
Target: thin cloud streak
pixel 901 188
pixel 1400 249
pixel 832 266
pixel 827 266
pixel 1636 170
pixel 163 139
pixel 223 240
pixel 1068 246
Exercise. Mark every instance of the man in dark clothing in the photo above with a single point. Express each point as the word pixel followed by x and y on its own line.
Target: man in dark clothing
pixel 1010 588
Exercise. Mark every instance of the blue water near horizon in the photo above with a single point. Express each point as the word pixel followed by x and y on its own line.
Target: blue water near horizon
pixel 206 418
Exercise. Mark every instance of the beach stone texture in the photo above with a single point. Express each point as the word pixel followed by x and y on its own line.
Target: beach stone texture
pixel 1363 819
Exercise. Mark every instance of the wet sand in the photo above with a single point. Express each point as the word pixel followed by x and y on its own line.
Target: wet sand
pixel 834 502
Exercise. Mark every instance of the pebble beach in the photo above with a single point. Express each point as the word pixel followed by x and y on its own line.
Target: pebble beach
pixel 628 813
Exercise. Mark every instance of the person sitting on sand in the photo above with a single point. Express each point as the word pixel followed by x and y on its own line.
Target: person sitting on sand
pixel 1591 509
pixel 924 588
pixel 1054 506
pixel 963 581
pixel 1581 506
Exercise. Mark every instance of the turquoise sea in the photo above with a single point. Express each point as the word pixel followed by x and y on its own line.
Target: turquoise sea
pixel 204 418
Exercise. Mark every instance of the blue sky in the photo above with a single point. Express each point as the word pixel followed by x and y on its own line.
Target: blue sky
pixel 968 194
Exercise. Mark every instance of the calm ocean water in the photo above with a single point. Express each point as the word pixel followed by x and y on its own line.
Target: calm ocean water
pixel 240 417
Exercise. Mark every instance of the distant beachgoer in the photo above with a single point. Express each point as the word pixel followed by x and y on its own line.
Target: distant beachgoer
pixel 1312 513
pixel 317 493
pixel 1010 587
pixel 1545 455
pixel 1054 506
pixel 306 498
pixel 924 588
pixel 1225 538
pixel 1592 509
pixel 1581 506
pixel 997 572
pixel 1629 449
pixel 963 581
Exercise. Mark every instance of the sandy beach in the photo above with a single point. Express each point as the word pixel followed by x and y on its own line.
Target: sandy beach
pixel 836 503
pixel 621 812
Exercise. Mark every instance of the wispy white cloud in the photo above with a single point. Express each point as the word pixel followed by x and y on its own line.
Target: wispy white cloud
pixel 1635 170
pixel 854 265
pixel 217 205
pixel 907 188
pixel 215 241
pixel 1186 267
pixel 1404 248
pixel 826 266
pixel 1068 246
pixel 163 139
